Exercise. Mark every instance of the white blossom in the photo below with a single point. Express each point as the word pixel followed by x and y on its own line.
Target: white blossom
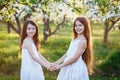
pixel 67 1
pixel 96 15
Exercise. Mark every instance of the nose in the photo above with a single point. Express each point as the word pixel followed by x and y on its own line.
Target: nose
pixel 77 27
pixel 31 30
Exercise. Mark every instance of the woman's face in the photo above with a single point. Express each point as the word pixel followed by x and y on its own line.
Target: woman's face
pixel 31 30
pixel 79 27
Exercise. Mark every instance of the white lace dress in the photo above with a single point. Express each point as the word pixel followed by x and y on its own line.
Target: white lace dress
pixel 77 70
pixel 30 69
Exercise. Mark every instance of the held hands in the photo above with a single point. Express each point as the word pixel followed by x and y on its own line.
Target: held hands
pixel 54 67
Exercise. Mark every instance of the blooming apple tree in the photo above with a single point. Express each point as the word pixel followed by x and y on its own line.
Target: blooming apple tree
pixel 106 11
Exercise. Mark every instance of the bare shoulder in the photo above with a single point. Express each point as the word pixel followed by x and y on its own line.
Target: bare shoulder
pixel 83 42
pixel 26 43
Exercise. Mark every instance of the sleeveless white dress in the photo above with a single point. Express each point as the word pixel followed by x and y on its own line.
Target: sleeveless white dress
pixel 30 69
pixel 77 70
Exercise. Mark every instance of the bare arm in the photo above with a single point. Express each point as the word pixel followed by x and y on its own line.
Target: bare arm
pixel 61 59
pixel 39 60
pixel 43 58
pixel 79 52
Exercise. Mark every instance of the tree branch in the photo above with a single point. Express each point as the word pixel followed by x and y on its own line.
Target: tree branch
pixel 78 10
pixel 9 23
pixel 58 26
pixel 113 23
pixel 4 5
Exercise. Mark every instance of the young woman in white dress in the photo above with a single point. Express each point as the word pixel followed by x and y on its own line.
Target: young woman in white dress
pixel 31 60
pixel 76 64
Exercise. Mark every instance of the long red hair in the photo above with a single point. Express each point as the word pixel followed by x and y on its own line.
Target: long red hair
pixel 24 34
pixel 88 54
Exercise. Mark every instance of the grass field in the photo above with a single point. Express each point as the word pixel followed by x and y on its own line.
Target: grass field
pixel 106 63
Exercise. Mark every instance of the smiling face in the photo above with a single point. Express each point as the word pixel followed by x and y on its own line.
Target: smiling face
pixel 31 30
pixel 79 27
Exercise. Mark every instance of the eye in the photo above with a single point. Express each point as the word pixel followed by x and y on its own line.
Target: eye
pixel 80 25
pixel 75 25
pixel 33 28
pixel 28 28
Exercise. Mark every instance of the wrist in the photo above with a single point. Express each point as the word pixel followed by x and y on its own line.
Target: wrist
pixel 56 63
pixel 47 66
pixel 61 65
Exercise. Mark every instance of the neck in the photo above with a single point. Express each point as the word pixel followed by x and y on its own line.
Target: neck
pixel 29 37
pixel 80 35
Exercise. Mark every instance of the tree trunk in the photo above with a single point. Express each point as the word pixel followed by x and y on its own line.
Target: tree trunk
pixel 106 37
pixel 8 28
pixel 27 16
pixel 46 29
pixel 18 24
pixel 106 31
pixel 109 24
pixel 9 23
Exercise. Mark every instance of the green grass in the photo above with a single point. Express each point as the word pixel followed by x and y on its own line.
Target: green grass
pixel 9 77
pixel 106 64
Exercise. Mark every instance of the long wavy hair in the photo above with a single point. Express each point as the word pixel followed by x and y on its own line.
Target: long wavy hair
pixel 88 54
pixel 24 34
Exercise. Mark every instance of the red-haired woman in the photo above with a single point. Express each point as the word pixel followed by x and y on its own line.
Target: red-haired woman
pixel 76 64
pixel 31 60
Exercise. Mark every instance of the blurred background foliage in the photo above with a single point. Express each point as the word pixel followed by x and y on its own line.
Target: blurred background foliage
pixel 55 19
pixel 106 63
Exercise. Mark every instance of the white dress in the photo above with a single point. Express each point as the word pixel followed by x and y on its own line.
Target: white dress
pixel 30 69
pixel 77 70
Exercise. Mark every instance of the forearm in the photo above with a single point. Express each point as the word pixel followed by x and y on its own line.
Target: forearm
pixel 58 66
pixel 72 60
pixel 41 61
pixel 43 58
pixel 60 60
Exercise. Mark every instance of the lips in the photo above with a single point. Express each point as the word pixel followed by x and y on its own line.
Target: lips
pixel 78 30
pixel 32 33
